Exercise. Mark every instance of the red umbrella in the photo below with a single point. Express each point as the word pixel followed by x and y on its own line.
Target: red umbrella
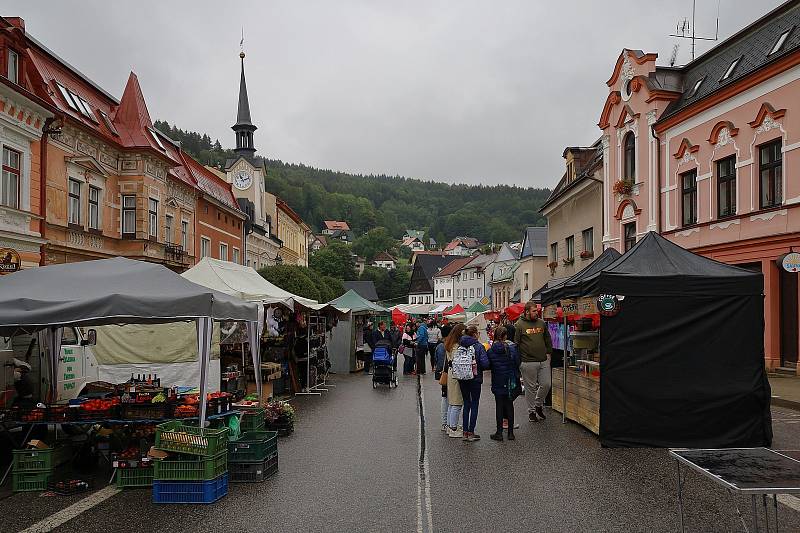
pixel 513 312
pixel 399 317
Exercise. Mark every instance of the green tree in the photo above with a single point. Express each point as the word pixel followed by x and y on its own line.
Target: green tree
pixel 292 278
pixel 335 286
pixel 373 242
pixel 334 260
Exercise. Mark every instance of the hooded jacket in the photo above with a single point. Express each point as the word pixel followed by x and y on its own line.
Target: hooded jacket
pixel 504 364
pixel 480 355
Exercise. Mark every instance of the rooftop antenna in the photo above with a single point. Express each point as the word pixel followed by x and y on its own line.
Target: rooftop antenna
pixel 241 43
pixel 685 29
pixel 674 55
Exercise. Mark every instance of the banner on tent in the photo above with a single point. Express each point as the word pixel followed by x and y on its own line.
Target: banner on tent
pixel 581 306
pixel 550 312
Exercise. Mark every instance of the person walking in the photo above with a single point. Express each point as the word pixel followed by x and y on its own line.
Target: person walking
pixel 434 338
pixel 409 345
pixel 504 364
pixel 440 365
pixel 446 328
pixel 455 401
pixel 422 347
pixel 511 331
pixel 396 336
pixel 535 350
pixel 471 388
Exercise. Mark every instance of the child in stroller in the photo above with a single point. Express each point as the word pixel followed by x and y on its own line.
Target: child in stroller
pixel 383 364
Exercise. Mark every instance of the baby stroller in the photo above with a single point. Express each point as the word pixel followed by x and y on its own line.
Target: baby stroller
pixel 383 365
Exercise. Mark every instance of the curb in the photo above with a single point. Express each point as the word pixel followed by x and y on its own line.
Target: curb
pixel 789 404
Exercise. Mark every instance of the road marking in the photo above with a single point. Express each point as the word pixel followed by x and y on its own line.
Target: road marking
pixel 424 510
pixel 68 513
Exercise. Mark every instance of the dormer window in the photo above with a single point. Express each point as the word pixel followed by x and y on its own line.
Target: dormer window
pixel 778 46
pixel 84 107
pixel 695 88
pixel 108 123
pixel 12 70
pixel 731 68
pixel 67 96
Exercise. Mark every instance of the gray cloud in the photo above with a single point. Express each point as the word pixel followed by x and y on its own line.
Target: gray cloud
pixel 476 92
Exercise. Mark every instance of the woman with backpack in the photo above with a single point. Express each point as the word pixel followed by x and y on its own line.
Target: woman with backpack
pixel 454 399
pixel 409 346
pixel 504 363
pixel 469 362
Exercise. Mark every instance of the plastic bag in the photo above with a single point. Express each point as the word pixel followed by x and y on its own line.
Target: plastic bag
pixel 235 430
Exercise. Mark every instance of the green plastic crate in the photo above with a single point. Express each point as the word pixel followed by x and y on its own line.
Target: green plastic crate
pixel 252 420
pixel 191 468
pixel 129 478
pixel 180 438
pixel 30 481
pixel 253 447
pixel 38 459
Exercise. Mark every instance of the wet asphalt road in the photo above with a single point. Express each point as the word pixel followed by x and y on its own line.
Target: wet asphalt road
pixel 353 463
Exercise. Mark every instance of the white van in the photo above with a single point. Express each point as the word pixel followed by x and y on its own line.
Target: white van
pixel 77 363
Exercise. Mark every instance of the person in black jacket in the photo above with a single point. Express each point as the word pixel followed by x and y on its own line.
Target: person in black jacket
pixel 369 340
pixel 504 364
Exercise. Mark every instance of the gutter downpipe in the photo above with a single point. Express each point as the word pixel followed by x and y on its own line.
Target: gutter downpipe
pixel 658 178
pixel 46 131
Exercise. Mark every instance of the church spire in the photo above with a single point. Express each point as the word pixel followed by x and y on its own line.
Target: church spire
pixel 244 128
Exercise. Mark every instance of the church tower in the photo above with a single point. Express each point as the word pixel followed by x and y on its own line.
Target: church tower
pixel 244 128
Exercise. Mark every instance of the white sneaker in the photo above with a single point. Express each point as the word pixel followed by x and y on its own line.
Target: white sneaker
pixel 455 433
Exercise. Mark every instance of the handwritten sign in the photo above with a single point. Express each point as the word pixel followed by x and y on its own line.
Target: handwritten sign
pixel 581 306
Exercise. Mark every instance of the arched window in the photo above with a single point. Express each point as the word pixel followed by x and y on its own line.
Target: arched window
pixel 629 157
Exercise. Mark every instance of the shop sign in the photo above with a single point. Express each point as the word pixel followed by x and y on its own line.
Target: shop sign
pixel 791 262
pixel 550 312
pixel 608 304
pixel 9 260
pixel 581 306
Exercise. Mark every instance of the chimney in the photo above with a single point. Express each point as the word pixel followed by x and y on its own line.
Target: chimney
pixel 17 22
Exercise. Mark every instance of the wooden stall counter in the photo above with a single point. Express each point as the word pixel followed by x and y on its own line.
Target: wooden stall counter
pixel 583 397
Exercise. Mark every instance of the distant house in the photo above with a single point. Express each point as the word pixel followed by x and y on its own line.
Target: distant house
pixel 415 255
pixel 414 243
pixel 342 235
pixel 360 263
pixel 502 281
pixel 432 244
pixel 318 242
pixel 471 282
pixel 384 260
pixel 443 281
pixel 463 246
pixel 532 272
pixel 365 289
pixel 414 234
pixel 331 226
pixel 426 266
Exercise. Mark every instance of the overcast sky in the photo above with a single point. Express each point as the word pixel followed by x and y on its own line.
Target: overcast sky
pixel 476 92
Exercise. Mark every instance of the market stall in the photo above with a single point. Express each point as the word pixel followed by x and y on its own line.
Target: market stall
pixel 680 359
pixel 347 337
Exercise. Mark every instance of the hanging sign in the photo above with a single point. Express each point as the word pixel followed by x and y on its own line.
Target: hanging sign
pixel 9 260
pixel 608 304
pixel 550 312
pixel 581 306
pixel 791 262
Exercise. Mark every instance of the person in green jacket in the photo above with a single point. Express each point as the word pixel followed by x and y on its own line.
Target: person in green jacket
pixel 535 348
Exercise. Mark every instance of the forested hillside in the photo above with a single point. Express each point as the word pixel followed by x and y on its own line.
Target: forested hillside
pixel 490 213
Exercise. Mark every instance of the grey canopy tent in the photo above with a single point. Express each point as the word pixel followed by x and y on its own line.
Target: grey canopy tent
pixel 113 291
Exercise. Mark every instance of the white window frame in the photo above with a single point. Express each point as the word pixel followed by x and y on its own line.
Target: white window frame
pixel 152 217
pixel 168 228
pixel 205 247
pixel 185 235
pixel 73 202
pixel 5 183
pixel 223 251
pixel 94 221
pixel 778 46
pixel 125 210
pixel 236 255
pixel 15 75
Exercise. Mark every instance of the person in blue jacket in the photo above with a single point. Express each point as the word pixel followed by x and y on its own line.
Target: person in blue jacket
pixel 504 364
pixel 422 347
pixel 471 388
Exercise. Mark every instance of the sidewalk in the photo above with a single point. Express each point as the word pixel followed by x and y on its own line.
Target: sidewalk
pixel 785 391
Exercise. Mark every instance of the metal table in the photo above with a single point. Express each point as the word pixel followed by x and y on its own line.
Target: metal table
pixel 746 471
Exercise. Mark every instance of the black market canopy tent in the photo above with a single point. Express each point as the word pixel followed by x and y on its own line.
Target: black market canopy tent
pixel 682 362
pixel 576 285
pixel 113 291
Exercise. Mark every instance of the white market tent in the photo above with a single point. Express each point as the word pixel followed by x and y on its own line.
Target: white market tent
pixel 114 291
pixel 242 282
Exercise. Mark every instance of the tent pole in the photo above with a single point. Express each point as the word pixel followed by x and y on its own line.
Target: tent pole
pixel 204 331
pixel 307 390
pixel 564 369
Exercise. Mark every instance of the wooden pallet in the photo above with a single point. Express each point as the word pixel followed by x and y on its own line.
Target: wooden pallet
pixel 583 398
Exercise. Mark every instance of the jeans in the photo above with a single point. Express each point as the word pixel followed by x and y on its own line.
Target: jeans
pixel 504 409
pixel 422 352
pixel 408 361
pixel 537 383
pixel 471 391
pixel 367 362
pixel 445 409
pixel 432 353
pixel 452 415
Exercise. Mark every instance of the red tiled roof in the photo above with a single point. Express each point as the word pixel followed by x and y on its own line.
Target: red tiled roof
pixel 453 267
pixel 336 224
pixel 210 183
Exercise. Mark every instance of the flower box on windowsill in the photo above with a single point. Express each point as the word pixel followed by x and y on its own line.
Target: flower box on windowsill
pixel 623 187
pixel 587 254
pixel 568 260
pixel 552 265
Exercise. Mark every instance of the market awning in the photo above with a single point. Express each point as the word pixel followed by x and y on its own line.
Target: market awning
pixel 455 310
pixel 356 303
pixel 476 307
pixel 109 291
pixel 242 282
pixel 438 309
pixel 577 285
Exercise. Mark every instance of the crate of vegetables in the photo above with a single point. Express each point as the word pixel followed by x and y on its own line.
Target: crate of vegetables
pixel 34 414
pixel 218 403
pixel 186 411
pixel 184 468
pixel 97 409
pixel 145 411
pixel 180 438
